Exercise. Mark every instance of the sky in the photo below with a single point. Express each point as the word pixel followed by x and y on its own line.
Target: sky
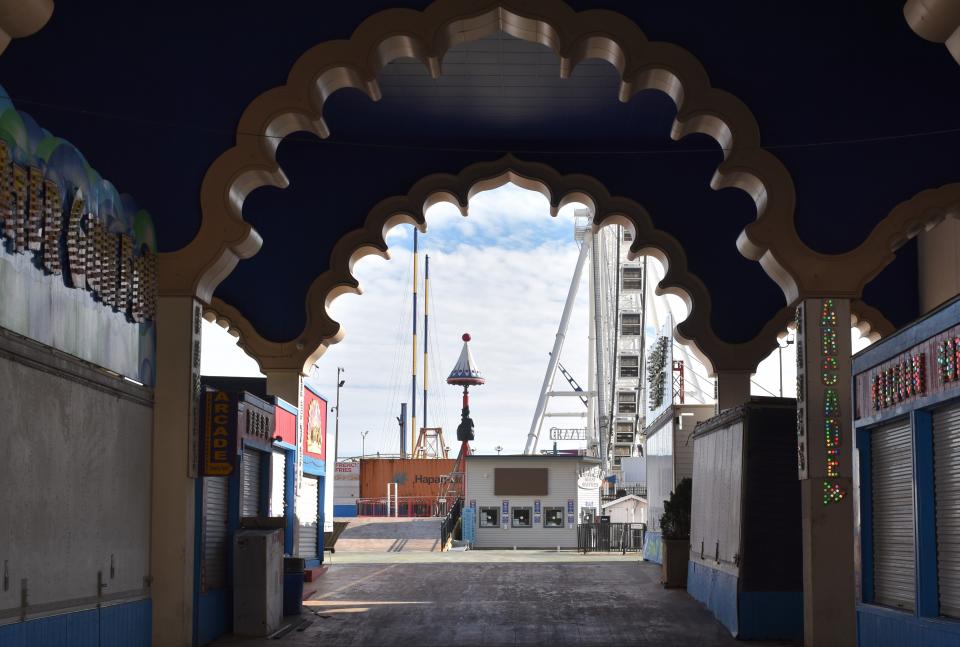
pixel 502 274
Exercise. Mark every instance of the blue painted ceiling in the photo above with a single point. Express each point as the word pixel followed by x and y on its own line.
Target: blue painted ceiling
pixel 152 95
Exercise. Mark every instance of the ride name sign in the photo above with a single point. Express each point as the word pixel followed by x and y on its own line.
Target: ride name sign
pixel 567 434
pixel 218 413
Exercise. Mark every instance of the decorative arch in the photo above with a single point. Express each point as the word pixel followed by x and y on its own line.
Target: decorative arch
pixel 321 330
pixel 937 21
pixel 225 238
pixel 21 18
pixel 771 239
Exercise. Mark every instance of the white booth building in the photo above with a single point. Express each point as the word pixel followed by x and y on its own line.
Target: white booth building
pixel 626 509
pixel 529 501
pixel 670 453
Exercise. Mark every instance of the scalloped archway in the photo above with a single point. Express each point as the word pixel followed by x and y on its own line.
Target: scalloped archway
pixel 771 239
pixel 321 330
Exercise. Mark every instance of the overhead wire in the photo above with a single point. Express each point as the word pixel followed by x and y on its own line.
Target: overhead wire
pixel 389 432
pixel 466 149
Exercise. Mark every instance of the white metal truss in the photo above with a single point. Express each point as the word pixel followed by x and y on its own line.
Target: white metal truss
pixel 621 309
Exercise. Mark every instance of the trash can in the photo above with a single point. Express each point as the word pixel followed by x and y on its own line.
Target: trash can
pixel 292 585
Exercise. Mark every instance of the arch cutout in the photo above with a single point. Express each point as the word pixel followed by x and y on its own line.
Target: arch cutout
pixel 321 330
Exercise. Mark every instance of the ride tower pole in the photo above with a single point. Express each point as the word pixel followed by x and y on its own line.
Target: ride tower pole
pixel 426 332
pixel 466 374
pixel 413 384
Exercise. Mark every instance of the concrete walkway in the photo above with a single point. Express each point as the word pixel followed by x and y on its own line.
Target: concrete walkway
pixel 389 535
pixel 561 600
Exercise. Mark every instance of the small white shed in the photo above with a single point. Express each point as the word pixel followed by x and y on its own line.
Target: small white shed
pixel 627 509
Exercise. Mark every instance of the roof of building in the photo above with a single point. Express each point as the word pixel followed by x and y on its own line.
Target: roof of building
pixel 622 499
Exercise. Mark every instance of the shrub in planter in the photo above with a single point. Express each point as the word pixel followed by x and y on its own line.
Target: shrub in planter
pixel 675 525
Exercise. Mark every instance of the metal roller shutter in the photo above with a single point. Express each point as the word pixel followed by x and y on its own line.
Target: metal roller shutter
pixel 946 462
pixel 278 466
pixel 894 579
pixel 308 511
pixel 250 490
pixel 215 497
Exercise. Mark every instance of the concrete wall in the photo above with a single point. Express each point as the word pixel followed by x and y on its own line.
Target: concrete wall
pixel 561 487
pixel 76 458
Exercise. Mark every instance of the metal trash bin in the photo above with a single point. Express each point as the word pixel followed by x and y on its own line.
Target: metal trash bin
pixel 293 568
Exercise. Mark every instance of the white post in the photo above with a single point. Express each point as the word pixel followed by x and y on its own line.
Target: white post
pixel 547 386
pixel 388 499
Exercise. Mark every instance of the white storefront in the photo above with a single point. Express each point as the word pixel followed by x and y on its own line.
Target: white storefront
pixel 528 501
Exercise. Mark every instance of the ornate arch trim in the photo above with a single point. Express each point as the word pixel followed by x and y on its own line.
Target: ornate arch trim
pixel 321 330
pixel 937 21
pixel 225 238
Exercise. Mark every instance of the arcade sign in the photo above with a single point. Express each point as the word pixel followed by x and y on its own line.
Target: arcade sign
pixel 218 411
pixel 78 260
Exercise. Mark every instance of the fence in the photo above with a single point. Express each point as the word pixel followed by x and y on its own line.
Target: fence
pixel 404 506
pixel 610 537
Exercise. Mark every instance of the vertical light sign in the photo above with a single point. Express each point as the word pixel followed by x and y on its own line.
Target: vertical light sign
pixel 823 395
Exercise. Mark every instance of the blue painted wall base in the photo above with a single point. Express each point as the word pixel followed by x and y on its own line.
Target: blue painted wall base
pixel 118 625
pixel 214 614
pixel 653 547
pixel 748 615
pixel 345 510
pixel 880 627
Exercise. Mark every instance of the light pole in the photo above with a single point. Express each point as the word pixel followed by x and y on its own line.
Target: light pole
pixel 363 443
pixel 499 449
pixel 336 428
pixel 787 342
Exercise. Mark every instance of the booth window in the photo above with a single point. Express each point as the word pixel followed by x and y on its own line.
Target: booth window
pixel 489 517
pixel 627 402
pixel 522 518
pixel 553 517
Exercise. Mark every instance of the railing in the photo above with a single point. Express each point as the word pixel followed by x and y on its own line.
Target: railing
pixel 450 522
pixel 622 491
pixel 404 506
pixel 610 537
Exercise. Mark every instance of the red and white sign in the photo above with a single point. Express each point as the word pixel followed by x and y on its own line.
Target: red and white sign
pixel 314 425
pixel 347 471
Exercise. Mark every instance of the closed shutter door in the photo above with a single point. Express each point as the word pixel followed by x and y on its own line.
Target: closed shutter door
pixel 278 469
pixel 250 495
pixel 946 462
pixel 894 572
pixel 308 511
pixel 214 572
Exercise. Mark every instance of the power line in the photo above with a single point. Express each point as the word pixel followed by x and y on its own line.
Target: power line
pixel 455 149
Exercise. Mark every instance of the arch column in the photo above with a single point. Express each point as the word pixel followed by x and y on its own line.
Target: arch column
pixel 733 388
pixel 172 532
pixel 825 466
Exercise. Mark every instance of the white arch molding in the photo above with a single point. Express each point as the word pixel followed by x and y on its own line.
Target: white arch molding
pixel 225 238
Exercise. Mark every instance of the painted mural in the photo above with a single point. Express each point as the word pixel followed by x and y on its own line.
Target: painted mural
pixel 78 260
